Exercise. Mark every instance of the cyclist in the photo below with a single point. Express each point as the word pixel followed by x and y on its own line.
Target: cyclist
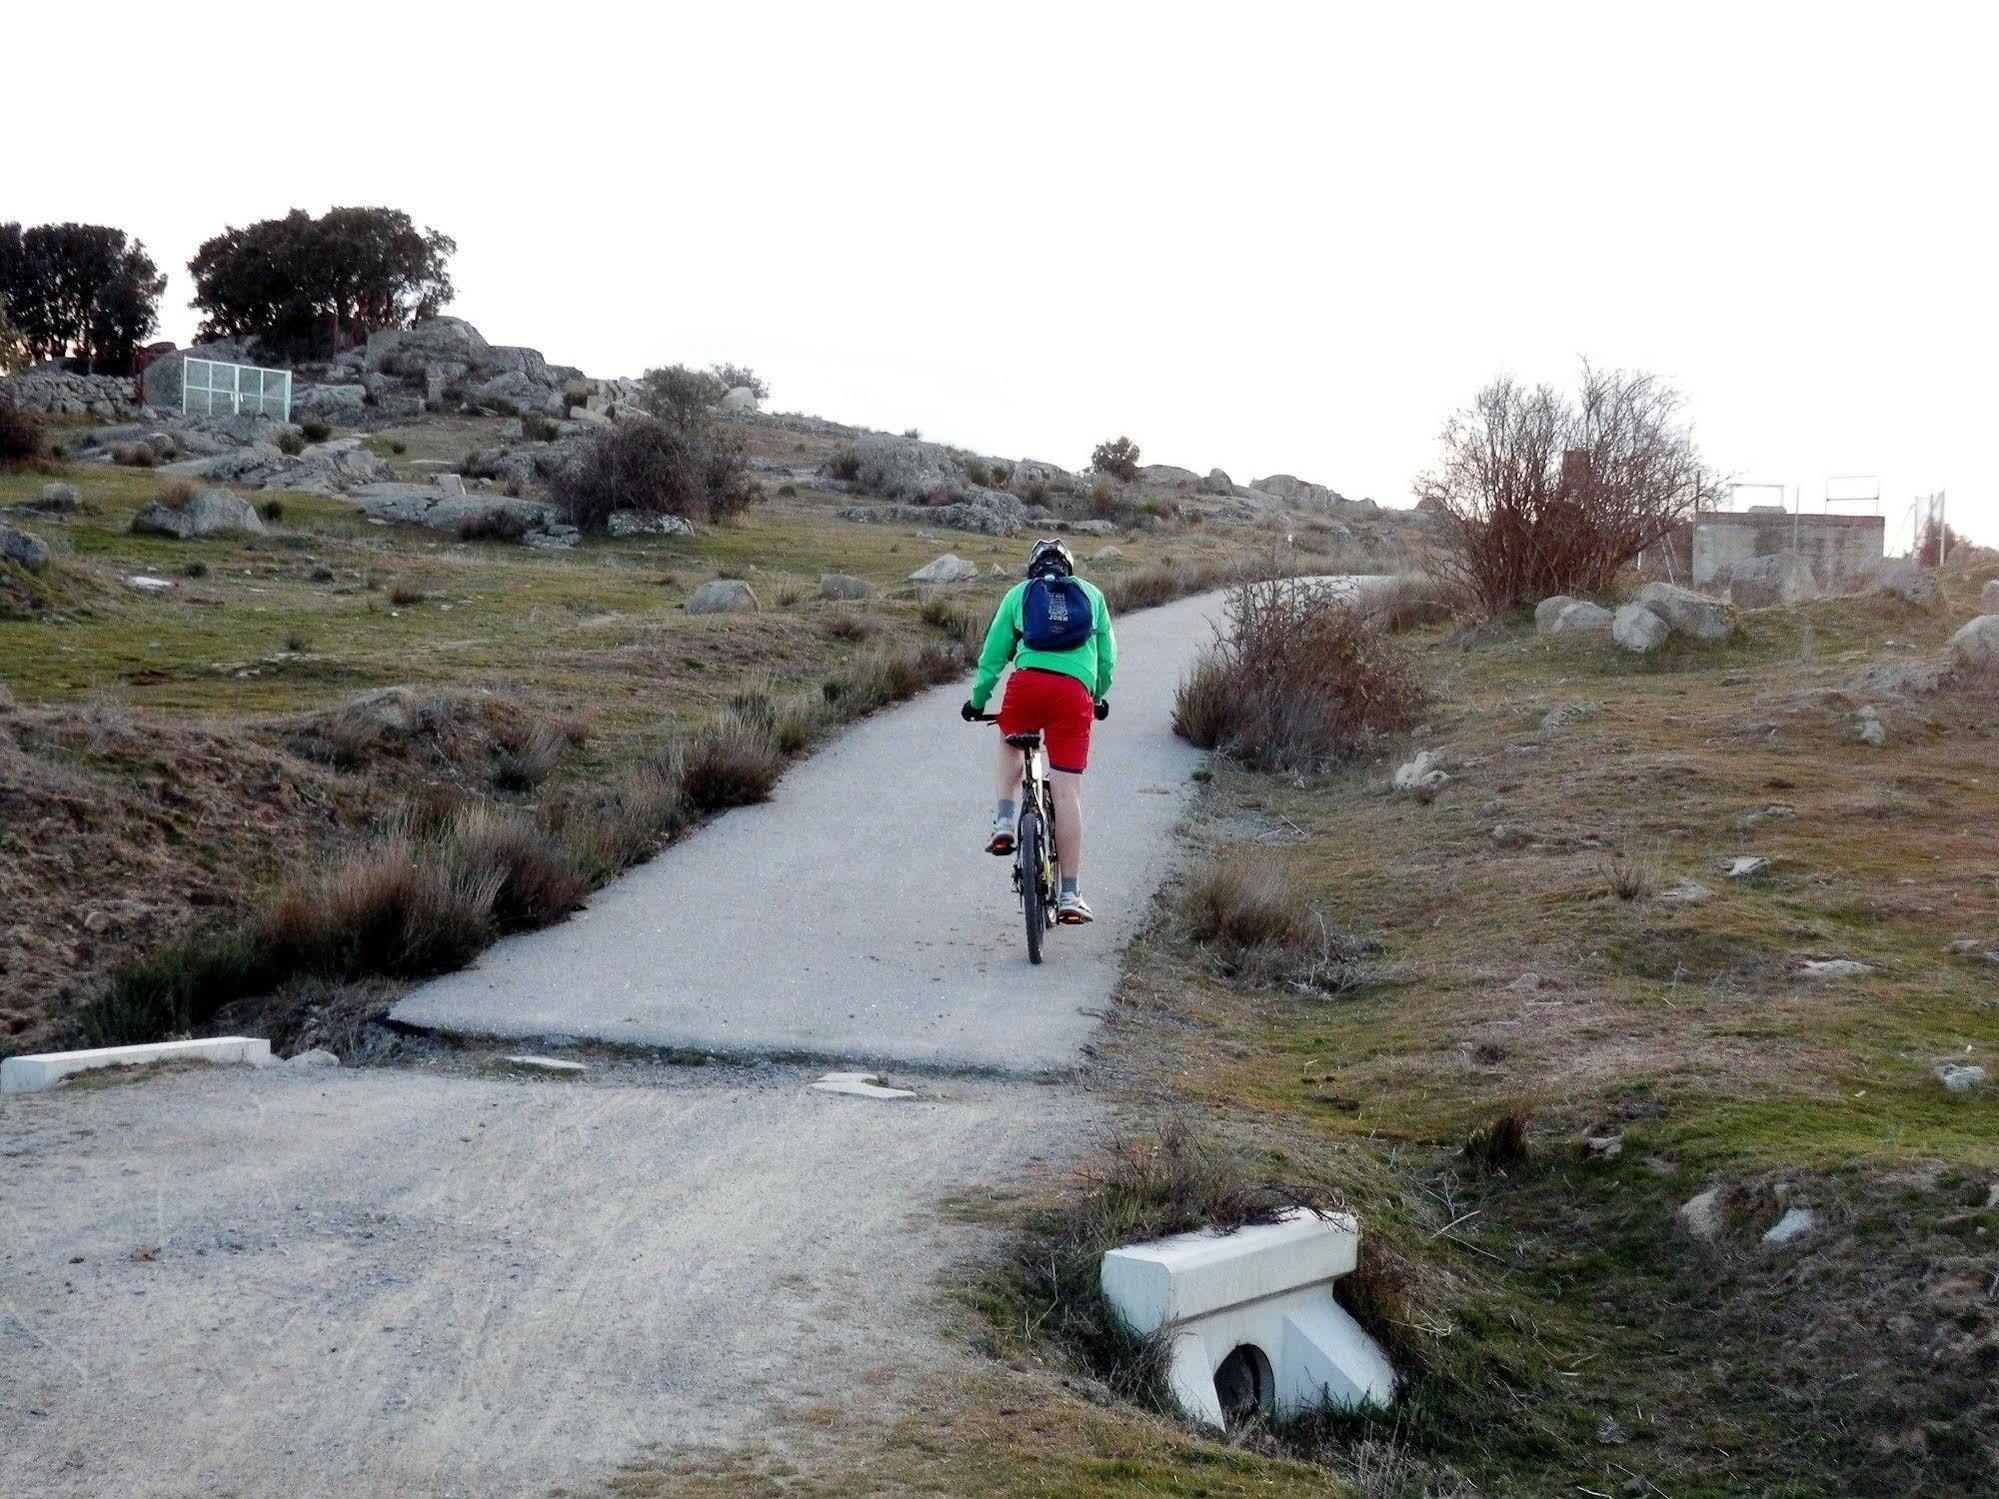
pixel 1056 630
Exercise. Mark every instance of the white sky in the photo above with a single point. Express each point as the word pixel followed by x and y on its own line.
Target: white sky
pixel 1264 237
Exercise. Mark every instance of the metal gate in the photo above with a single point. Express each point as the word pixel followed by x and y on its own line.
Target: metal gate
pixel 212 388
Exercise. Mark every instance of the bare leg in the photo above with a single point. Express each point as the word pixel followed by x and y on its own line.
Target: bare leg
pixel 1068 790
pixel 1008 780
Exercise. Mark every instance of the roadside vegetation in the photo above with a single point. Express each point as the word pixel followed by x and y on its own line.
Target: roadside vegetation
pixel 1578 1076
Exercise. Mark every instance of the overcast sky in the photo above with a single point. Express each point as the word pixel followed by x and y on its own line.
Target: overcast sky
pixel 1265 238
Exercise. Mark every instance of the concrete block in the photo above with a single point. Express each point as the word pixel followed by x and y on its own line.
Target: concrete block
pixel 1250 1318
pixel 31 1074
pixel 859 1085
pixel 552 1066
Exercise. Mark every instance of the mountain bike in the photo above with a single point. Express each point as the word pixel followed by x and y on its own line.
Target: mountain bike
pixel 1034 879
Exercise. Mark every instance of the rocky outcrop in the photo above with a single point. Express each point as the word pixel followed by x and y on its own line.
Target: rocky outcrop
pixel 1975 647
pixel 328 468
pixel 1690 614
pixel 1913 585
pixel 213 512
pixel 52 390
pixel 23 548
pixel 1296 490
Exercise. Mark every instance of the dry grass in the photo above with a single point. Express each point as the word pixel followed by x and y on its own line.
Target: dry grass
pixel 1246 905
pixel 1500 1144
pixel 732 762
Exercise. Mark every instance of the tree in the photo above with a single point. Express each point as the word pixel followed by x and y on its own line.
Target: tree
pixel 734 376
pixel 82 291
pixel 307 286
pixel 13 343
pixel 1537 495
pixel 1117 459
pixel 681 397
pixel 1937 542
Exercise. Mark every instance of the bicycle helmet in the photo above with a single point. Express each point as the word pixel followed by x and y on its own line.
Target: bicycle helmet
pixel 1051 557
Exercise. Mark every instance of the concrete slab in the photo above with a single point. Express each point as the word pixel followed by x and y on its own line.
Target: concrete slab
pixel 32 1074
pixel 859 1085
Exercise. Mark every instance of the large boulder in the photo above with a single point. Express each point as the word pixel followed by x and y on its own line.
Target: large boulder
pixel 739 398
pixel 722 596
pixel 435 344
pixel 1766 582
pixel 1688 613
pixel 623 523
pixel 949 568
pixel 902 468
pixel 160 385
pixel 1637 629
pixel 1166 476
pixel 1976 646
pixel 1548 611
pixel 1912 585
pixel 334 403
pixel 1581 617
pixel 842 586
pixel 23 548
pixel 213 512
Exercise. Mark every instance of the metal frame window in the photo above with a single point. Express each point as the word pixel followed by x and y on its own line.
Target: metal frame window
pixel 212 388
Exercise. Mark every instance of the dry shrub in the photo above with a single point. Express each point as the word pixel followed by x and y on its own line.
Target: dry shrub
pixel 1500 1144
pixel 850 627
pixel 610 827
pixel 1245 905
pixel 22 440
pixel 1631 876
pixel 396 906
pixel 1407 602
pixel 177 495
pixel 540 880
pixel 684 468
pixel 497 524
pixel 404 597
pixel 527 754
pixel 1297 681
pixel 732 762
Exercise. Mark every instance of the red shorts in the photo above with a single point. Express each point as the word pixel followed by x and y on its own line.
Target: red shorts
pixel 1058 705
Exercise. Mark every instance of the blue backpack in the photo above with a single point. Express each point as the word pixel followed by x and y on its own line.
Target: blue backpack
pixel 1055 615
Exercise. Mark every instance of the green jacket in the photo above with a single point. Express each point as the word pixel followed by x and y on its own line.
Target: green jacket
pixel 1090 663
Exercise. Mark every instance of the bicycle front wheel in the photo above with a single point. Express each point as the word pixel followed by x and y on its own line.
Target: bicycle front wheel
pixel 1032 895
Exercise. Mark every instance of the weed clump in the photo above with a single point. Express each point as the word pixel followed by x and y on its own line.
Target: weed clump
pixel 733 762
pixel 22 441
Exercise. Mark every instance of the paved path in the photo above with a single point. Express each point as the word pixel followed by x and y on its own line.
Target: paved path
pixel 855 914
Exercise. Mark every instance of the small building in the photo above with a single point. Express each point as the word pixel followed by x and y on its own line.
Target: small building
pixel 1841 548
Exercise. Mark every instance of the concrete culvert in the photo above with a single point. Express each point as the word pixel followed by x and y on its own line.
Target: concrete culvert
pixel 1245 1385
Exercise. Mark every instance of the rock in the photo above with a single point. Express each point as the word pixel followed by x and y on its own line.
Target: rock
pixel 1564 714
pixel 1912 585
pixel 1835 968
pixel 902 468
pixel 1218 482
pixel 949 568
pixel 722 596
pixel 51 390
pixel 1700 1215
pixel 58 497
pixel 646 523
pixel 1988 597
pixel 148 585
pixel 1507 836
pixel 1603 1147
pixel 842 586
pixel 1690 614
pixel 313 1058
pixel 1746 867
pixel 1637 629
pixel 431 346
pixel 210 513
pixel 1548 611
pixel 1298 491
pixel 452 484
pixel 23 548
pixel 334 403
pixel 1976 646
pixel 1959 1077
pixel 739 398
pixel 1765 582
pixel 1964 947
pixel 1796 1221
pixel 1687 892
pixel 1870 730
pixel 1107 554
pixel 1166 476
pixel 161 383
pixel 1527 983
pixel 1422 777
pixel 551 541
pixel 1580 617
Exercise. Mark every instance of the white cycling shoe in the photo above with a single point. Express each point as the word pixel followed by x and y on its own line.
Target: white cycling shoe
pixel 1002 840
pixel 1073 910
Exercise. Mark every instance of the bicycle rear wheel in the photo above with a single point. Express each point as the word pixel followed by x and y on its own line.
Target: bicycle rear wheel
pixel 1032 895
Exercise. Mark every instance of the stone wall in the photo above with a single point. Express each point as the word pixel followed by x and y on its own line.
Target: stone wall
pixel 1842 549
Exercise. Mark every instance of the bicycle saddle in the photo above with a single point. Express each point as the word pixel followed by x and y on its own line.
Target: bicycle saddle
pixel 1025 741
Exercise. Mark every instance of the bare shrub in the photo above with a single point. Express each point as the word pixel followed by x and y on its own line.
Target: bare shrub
pixel 1538 496
pixel 1631 876
pixel 291 443
pixel 1117 458
pixel 737 376
pixel 314 429
pixel 608 827
pixel 852 627
pixel 527 754
pixel 844 465
pixel 680 467
pixel 134 455
pixel 177 495
pixel 1407 602
pixel 1297 680
pixel 732 762
pixel 405 597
